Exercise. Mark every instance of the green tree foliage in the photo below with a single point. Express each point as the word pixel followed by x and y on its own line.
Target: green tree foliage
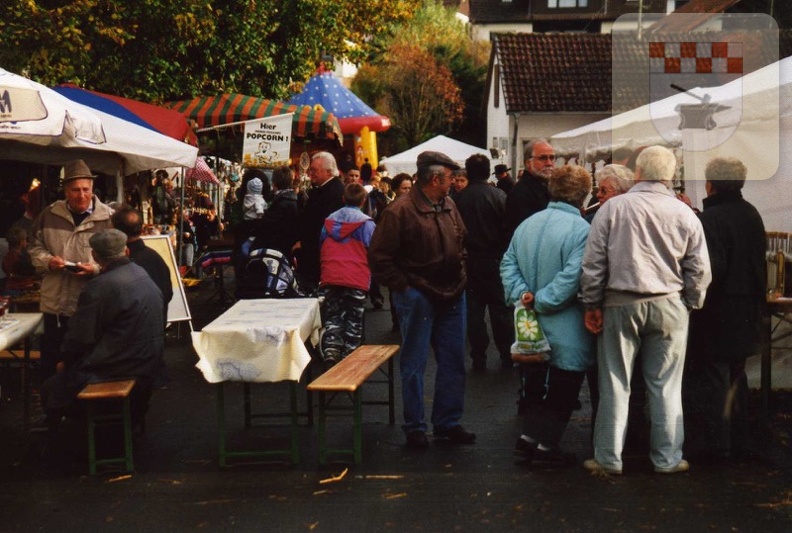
pixel 158 50
pixel 435 31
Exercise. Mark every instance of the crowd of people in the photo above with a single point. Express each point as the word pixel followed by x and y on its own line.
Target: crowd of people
pixel 648 299
pixel 620 289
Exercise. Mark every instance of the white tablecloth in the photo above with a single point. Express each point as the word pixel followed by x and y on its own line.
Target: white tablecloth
pixel 18 327
pixel 259 341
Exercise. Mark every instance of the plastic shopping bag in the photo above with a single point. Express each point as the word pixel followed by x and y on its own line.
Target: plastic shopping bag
pixel 530 344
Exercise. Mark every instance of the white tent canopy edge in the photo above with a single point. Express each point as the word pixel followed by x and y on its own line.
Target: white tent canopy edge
pixel 766 105
pixel 456 150
pixel 128 149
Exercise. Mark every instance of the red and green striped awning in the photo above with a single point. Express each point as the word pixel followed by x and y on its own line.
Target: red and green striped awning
pixel 222 109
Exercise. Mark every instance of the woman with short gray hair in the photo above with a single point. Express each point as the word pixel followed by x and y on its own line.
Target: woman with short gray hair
pixel 612 180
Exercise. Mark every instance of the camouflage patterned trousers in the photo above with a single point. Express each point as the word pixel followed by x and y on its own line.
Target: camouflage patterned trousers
pixel 342 317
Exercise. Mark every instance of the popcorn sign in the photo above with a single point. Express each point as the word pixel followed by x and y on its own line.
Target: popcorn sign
pixel 267 141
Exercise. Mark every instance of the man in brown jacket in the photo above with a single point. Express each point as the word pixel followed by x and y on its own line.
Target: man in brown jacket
pixel 417 251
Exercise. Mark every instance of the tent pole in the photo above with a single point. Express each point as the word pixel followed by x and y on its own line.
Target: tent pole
pixel 119 188
pixel 515 153
pixel 180 245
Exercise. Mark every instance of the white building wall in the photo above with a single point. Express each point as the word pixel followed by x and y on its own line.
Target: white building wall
pixel 498 125
pixel 545 125
pixel 481 32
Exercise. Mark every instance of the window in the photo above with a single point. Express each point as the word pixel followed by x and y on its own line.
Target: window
pixel 565 4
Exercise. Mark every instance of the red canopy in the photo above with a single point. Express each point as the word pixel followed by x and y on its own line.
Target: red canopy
pixel 161 119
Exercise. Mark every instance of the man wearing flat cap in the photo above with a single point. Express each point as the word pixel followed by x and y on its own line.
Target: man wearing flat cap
pixel 60 252
pixel 417 251
pixel 115 332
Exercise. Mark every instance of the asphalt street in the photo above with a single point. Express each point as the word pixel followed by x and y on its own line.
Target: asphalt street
pixel 178 485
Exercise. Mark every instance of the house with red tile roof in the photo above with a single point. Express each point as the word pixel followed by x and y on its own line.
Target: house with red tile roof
pixel 540 84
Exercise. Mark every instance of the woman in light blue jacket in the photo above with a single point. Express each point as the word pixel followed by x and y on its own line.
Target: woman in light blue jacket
pixel 542 268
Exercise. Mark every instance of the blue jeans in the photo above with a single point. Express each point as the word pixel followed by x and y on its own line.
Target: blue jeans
pixel 442 327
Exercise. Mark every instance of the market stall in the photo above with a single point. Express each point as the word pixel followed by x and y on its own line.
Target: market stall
pixel 310 127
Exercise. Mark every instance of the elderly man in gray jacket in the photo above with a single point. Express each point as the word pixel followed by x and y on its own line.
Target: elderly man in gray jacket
pixel 645 266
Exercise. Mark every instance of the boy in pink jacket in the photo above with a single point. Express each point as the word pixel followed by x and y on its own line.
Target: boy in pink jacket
pixel 345 275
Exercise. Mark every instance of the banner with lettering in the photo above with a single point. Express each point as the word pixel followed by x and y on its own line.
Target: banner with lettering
pixel 267 141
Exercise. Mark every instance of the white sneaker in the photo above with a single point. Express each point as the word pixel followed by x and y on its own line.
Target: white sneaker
pixel 682 466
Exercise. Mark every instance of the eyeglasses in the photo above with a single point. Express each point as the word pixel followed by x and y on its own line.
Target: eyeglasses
pixel 545 157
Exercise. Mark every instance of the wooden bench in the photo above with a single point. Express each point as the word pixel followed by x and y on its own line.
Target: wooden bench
pixel 348 376
pixel 108 391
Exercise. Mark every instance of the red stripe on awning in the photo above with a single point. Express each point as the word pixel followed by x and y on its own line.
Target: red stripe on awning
pixel 229 108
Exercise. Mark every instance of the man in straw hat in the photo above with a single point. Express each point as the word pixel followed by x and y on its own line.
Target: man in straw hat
pixel 60 252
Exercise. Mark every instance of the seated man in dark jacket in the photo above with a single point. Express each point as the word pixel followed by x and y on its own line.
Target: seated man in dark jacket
pixel 117 330
pixel 130 223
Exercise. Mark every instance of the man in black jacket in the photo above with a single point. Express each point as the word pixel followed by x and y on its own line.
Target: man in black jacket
pixel 116 332
pixel 277 229
pixel 729 328
pixel 326 196
pixel 530 194
pixel 482 208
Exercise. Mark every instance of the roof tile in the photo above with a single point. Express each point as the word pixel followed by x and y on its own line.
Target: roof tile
pixel 572 72
pixel 545 73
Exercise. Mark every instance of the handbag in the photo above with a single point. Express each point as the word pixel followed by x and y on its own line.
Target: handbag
pixel 530 342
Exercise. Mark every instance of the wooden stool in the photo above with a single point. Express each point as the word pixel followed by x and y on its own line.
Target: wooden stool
pixel 109 391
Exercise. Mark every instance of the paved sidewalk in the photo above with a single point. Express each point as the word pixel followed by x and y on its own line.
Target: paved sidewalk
pixel 178 486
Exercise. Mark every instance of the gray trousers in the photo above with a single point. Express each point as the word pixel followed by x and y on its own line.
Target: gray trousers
pixel 657 330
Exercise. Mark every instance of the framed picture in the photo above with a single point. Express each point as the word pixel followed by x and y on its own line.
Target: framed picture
pixel 177 308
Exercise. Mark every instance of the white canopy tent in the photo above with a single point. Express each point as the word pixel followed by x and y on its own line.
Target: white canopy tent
pixel 129 148
pixel 456 150
pixel 767 108
pixel 760 104
pixel 106 143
